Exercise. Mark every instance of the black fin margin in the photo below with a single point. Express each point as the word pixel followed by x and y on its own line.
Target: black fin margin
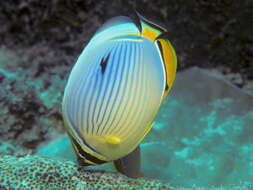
pixel 161 50
pixel 135 17
pixel 81 154
pixel 164 35
pixel 151 23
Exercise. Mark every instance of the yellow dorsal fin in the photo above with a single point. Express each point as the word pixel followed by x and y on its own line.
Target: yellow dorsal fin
pixel 150 30
pixel 112 140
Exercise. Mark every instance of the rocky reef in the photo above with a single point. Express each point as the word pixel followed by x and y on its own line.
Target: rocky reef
pixel 29 106
pixel 206 33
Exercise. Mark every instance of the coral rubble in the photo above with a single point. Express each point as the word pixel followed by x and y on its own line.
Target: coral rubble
pixel 34 172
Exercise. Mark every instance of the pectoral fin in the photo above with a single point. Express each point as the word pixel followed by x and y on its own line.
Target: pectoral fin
pixel 130 164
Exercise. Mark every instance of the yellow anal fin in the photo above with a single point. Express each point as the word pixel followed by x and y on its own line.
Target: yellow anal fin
pixel 112 140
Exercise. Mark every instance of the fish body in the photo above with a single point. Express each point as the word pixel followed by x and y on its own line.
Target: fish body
pixel 116 88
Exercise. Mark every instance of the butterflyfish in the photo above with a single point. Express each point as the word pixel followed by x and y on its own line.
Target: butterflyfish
pixel 115 89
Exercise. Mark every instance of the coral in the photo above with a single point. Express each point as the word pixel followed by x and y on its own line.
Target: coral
pixel 7 148
pixel 34 172
pixel 39 173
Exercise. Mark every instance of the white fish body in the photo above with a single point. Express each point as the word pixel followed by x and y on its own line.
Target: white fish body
pixel 114 92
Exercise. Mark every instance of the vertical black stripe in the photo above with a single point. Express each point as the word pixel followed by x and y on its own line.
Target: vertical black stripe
pixel 123 83
pixel 137 101
pixel 82 96
pixel 115 77
pixel 93 88
pixel 106 91
pixel 112 80
pixel 125 79
pixel 130 79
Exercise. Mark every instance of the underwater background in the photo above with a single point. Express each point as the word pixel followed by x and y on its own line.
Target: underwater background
pixel 202 136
